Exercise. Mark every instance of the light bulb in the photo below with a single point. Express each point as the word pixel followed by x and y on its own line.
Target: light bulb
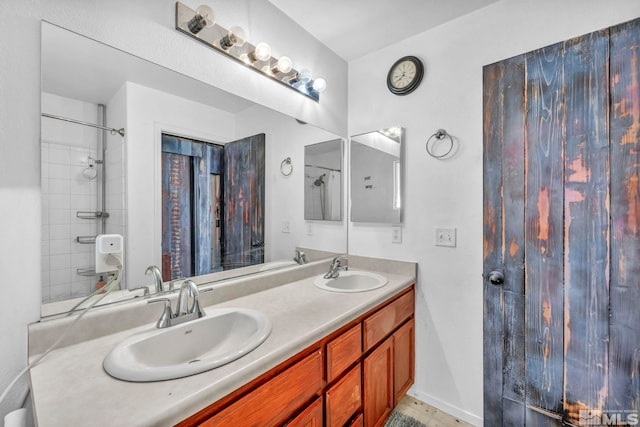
pixel 285 64
pixel 235 37
pixel 319 85
pixel 262 52
pixel 205 17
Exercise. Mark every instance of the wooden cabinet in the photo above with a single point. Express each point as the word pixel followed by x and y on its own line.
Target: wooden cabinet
pixel 343 399
pixel 274 402
pixel 378 384
pixel 310 417
pixel 367 369
pixel 343 351
pixel 403 359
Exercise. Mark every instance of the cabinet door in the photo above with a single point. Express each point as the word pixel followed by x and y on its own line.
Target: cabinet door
pixel 275 401
pixel 344 399
pixel 378 384
pixel 403 359
pixel 310 417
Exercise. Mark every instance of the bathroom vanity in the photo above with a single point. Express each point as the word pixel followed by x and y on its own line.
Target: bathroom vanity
pixel 345 358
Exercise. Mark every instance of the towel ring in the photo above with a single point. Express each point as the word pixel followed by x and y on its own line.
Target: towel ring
pixel 439 136
pixel 286 167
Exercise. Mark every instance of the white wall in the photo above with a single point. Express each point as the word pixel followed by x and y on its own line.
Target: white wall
pixel 149 114
pixel 146 29
pixel 449 192
pixel 284 196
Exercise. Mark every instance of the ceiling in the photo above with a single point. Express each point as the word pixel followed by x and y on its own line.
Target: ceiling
pixel 354 28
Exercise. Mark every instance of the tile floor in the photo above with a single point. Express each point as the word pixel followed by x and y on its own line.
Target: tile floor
pixel 428 415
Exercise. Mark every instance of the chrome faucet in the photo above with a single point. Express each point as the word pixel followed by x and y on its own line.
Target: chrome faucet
pixel 157 277
pixel 184 312
pixel 336 267
pixel 301 257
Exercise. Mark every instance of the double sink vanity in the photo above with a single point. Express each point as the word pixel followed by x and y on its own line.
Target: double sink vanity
pixel 289 346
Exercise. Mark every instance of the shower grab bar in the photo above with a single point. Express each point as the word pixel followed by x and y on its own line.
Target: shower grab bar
pixel 80 122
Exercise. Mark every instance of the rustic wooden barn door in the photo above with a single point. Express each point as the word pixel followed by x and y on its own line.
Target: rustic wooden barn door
pixel 243 241
pixel 562 233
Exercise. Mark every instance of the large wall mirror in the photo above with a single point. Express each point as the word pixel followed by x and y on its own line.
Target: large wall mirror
pixel 206 158
pixel 376 176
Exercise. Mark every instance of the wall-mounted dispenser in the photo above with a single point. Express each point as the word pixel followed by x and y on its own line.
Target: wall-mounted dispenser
pixel 109 252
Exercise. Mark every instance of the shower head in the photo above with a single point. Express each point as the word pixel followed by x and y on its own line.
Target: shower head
pixel 319 181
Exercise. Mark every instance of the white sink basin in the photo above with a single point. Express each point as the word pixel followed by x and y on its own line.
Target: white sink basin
pixel 220 337
pixel 351 281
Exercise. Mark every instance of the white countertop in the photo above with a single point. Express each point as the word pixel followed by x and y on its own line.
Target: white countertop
pixel 70 388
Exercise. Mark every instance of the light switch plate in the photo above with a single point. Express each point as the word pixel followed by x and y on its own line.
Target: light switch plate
pixel 396 234
pixel 309 229
pixel 286 227
pixel 446 237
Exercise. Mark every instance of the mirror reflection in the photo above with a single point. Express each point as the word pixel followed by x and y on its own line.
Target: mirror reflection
pixel 376 176
pixel 165 185
pixel 323 181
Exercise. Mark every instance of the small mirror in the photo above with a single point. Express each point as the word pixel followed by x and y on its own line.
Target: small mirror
pixel 323 181
pixel 376 176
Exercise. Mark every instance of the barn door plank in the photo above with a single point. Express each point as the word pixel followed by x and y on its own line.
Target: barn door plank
pixel 543 227
pixel 513 239
pixel 624 346
pixel 586 216
pixel 492 212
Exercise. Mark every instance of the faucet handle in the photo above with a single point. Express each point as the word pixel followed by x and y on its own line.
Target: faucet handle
pixel 167 313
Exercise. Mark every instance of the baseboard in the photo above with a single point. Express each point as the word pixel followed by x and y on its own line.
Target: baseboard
pixel 444 406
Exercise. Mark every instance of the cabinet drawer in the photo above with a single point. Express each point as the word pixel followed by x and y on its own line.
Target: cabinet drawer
pixel 310 417
pixel 344 399
pixel 343 351
pixel 358 422
pixel 275 401
pixel 380 324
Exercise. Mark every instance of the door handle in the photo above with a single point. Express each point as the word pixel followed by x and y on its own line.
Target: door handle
pixel 496 277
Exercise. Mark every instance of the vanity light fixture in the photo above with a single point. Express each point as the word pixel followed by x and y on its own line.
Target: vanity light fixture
pixel 235 37
pixel 200 24
pixel 204 17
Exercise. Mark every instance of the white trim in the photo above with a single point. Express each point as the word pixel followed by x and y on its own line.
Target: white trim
pixel 446 407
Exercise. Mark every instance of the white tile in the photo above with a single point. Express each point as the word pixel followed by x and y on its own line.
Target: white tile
pixel 80 248
pixel 60 246
pixel 60 262
pixel 82 260
pixel 59 171
pixel 84 202
pixel 58 155
pixel 85 228
pixel 44 170
pixel 81 289
pixel 44 186
pixel 59 186
pixel 45 232
pixel 59 216
pixel 45 292
pixel 82 187
pixel 44 250
pixel 60 277
pixel 44 263
pixel 59 231
pixel 60 292
pixel 59 201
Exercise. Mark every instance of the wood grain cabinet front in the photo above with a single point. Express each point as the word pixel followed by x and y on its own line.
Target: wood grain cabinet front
pixel 312 416
pixel 273 403
pixel 343 351
pixel 378 384
pixel 343 399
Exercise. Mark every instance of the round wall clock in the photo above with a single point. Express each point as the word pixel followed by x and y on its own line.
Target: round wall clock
pixel 405 75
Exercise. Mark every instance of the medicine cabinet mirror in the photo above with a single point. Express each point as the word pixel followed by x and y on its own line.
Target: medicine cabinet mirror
pixel 323 181
pixel 376 176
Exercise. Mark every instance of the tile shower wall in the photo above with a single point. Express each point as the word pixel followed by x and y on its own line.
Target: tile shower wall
pixel 66 149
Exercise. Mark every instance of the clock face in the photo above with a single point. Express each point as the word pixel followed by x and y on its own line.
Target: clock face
pixel 405 75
